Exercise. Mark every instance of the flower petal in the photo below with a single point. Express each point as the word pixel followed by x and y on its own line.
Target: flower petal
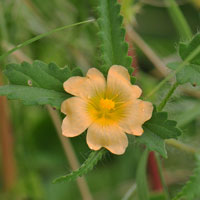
pixel 119 83
pixel 136 114
pixel 120 71
pixel 77 120
pixel 136 91
pixel 111 137
pixel 88 86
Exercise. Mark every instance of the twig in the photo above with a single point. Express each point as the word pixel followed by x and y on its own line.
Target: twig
pixel 130 192
pixel 69 153
pixel 151 55
pixel 181 146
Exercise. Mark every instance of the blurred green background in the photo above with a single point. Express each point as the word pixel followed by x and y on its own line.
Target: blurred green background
pixel 37 150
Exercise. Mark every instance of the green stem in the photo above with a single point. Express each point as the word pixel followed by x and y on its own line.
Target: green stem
pixel 167 97
pixel 179 68
pixel 179 20
pixel 166 193
pixel 160 107
pixel 41 36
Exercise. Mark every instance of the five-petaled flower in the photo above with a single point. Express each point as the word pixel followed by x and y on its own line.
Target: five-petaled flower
pixel 109 109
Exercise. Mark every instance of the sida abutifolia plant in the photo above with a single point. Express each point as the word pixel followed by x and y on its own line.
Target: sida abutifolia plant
pixel 106 102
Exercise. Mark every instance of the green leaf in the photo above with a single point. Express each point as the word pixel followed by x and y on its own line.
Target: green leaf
pixel 191 71
pixel 153 142
pixel 141 177
pixel 161 126
pixel 32 95
pixel 156 130
pixel 113 46
pixel 191 190
pixel 87 166
pixel 189 74
pixel 185 49
pixel 37 83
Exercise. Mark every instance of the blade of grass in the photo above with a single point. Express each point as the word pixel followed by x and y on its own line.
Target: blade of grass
pixel 27 42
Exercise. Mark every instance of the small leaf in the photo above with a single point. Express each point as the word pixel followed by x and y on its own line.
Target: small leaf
pixel 113 46
pixel 87 166
pixel 186 48
pixel 189 74
pixel 191 70
pixel 191 190
pixel 156 130
pixel 37 83
pixel 161 126
pixel 141 177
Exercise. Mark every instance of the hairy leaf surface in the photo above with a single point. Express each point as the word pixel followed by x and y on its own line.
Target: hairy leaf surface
pixel 156 130
pixel 37 83
pixel 185 49
pixel 189 74
pixel 114 49
pixel 87 166
pixel 191 71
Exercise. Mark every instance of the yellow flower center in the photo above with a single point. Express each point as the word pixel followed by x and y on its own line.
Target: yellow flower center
pixel 107 104
pixel 106 108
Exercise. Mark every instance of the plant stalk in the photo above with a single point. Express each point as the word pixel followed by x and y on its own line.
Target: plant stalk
pixel 167 97
pixel 184 147
pixel 7 147
pixel 172 74
pixel 69 152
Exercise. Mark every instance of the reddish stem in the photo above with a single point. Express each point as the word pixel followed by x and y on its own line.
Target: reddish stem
pixel 6 140
pixel 154 175
pixel 131 52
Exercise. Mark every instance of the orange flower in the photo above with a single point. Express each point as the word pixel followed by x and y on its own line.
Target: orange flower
pixel 108 109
